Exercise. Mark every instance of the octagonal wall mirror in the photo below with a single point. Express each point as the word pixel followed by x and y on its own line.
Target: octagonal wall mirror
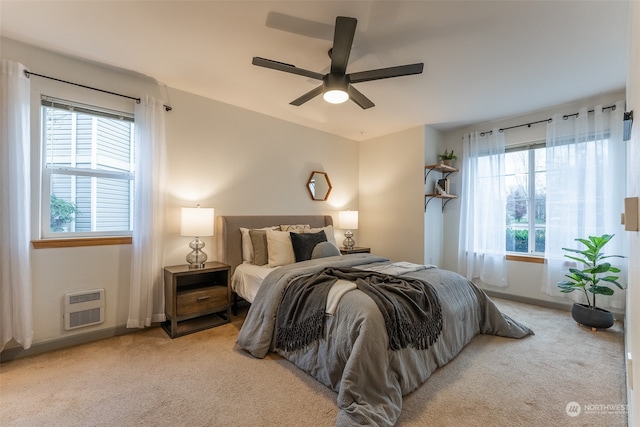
pixel 319 185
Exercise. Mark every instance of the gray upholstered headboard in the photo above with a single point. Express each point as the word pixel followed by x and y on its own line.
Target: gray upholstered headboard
pixel 229 239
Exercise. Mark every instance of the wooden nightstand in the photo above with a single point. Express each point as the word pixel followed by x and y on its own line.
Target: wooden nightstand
pixel 355 250
pixel 197 298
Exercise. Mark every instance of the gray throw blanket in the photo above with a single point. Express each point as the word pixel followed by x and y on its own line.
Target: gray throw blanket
pixel 410 308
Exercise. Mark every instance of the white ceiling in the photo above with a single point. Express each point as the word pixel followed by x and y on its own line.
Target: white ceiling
pixel 484 60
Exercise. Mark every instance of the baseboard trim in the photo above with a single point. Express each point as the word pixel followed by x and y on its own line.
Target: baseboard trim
pixel 13 353
pixel 542 303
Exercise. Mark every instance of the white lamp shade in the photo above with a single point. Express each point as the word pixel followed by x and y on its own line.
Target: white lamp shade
pixel 348 220
pixel 197 222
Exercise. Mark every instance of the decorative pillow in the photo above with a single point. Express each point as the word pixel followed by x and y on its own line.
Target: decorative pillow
pixel 259 241
pixel 247 245
pixel 324 249
pixel 303 244
pixel 328 231
pixel 280 248
pixel 298 228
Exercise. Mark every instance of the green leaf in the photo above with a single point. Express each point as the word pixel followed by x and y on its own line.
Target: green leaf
pixel 601 268
pixel 601 290
pixel 614 256
pixel 580 274
pixel 577 259
pixel 566 287
pixel 587 243
pixel 612 279
pixel 578 251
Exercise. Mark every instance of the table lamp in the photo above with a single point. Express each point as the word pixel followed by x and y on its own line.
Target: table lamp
pixel 196 222
pixel 348 220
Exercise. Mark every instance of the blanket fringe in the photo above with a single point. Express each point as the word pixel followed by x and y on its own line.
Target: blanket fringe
pixel 300 334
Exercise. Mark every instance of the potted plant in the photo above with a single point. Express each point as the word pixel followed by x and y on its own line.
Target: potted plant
pixel 62 212
pixel 448 158
pixel 593 280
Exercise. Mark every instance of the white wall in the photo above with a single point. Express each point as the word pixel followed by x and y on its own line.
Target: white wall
pixel 391 195
pixel 633 190
pixel 245 163
pixel 434 216
pixel 392 188
pixel 525 279
pixel 220 156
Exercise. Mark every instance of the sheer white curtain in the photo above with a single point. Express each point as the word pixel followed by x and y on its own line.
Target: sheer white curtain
pixel 483 209
pixel 15 212
pixel 585 192
pixel 146 302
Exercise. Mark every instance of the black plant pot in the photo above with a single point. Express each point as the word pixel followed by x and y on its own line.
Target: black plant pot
pixel 592 317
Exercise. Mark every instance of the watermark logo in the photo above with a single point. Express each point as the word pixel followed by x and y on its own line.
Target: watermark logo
pixel 573 409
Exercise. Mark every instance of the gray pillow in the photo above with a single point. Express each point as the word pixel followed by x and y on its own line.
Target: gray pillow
pixel 303 243
pixel 260 251
pixel 323 250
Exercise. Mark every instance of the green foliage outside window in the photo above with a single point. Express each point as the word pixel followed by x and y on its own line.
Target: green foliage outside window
pixel 518 240
pixel 62 212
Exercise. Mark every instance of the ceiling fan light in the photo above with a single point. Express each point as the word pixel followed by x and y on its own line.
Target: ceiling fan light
pixel 335 96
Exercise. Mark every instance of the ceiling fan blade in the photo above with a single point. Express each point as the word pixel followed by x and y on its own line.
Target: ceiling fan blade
pixel 287 68
pixel 385 73
pixel 342 41
pixel 307 96
pixel 301 26
pixel 356 96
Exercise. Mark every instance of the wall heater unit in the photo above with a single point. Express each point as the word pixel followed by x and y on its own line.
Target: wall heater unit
pixel 83 308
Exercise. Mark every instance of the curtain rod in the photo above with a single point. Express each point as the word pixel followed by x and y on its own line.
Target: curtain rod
pixel 549 120
pixel 29 74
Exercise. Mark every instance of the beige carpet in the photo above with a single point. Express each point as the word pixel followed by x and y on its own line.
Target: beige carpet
pixel 203 379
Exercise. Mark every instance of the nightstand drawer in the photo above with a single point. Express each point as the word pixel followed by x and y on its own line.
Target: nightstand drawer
pixel 201 300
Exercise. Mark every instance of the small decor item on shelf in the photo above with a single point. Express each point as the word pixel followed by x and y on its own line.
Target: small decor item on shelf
pixel 442 186
pixel 448 158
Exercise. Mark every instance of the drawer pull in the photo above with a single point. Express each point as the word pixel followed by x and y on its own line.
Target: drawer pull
pixel 204 298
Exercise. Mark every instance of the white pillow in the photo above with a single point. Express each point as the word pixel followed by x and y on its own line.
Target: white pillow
pixel 280 248
pixel 328 231
pixel 247 245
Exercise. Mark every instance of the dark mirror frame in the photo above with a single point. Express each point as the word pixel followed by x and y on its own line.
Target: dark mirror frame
pixel 313 188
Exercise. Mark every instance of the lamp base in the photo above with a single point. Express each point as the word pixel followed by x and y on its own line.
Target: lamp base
pixel 196 266
pixel 348 243
pixel 197 257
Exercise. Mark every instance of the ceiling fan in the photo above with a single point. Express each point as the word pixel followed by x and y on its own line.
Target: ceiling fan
pixel 337 86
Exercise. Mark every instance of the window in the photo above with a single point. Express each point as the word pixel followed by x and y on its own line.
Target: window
pixel 88 170
pixel 525 183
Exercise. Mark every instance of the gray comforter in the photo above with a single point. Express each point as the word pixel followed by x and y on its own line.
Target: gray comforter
pixel 353 357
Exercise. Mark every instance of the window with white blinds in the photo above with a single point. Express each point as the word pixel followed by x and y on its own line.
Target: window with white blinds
pixel 88 170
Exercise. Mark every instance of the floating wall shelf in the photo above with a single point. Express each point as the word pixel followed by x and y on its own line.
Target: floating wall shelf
pixel 445 170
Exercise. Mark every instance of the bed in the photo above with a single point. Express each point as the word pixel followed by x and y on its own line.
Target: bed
pixel 357 352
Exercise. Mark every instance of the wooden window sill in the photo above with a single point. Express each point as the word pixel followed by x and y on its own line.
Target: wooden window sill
pixel 526 258
pixel 79 242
